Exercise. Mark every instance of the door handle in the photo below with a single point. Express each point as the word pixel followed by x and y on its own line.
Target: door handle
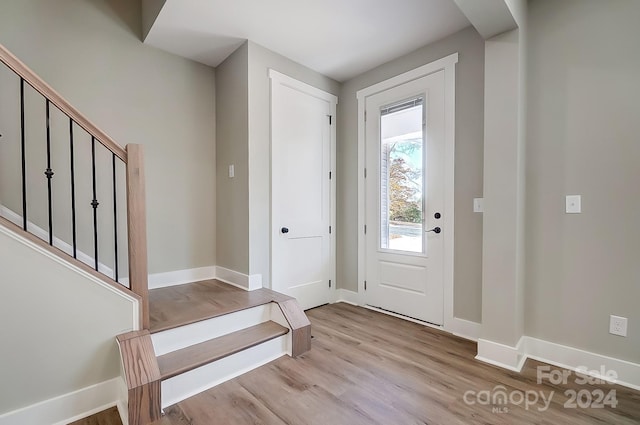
pixel 434 230
pixel 284 230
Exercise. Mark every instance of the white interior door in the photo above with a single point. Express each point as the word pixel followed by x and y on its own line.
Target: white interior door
pixel 301 136
pixel 404 145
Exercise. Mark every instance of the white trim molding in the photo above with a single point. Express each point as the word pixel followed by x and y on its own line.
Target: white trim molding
pixel 68 407
pixel 135 305
pixel 501 355
pixel 446 64
pixel 628 373
pixel 285 80
pixel 464 328
pixel 180 277
pixel 346 296
pixel 241 280
pixel 38 231
pixel 575 359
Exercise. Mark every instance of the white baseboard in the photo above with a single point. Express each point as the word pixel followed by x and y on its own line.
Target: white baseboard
pixel 464 328
pixel 628 373
pixel 502 355
pixel 123 399
pixel 16 219
pixel 68 407
pixel 180 277
pixel 347 296
pixel 241 280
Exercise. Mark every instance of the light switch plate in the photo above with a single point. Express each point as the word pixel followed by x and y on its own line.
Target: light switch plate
pixel 478 205
pixel 574 204
pixel 232 172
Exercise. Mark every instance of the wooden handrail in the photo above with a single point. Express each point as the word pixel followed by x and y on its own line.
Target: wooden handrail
pixel 17 66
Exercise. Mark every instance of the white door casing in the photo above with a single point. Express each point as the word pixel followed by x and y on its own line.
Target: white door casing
pixel 447 67
pixel 302 190
pixel 408 283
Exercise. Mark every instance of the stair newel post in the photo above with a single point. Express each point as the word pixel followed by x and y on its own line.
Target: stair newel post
pixel 137 229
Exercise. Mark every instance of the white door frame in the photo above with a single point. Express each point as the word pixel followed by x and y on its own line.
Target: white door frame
pixel 280 78
pixel 448 65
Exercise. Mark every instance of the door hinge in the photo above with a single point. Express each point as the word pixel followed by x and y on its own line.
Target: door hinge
pixel 365 173
pixel 329 229
pixel 365 115
pixel 330 175
pixel 365 229
pixel 330 119
pixel 365 285
pixel 329 283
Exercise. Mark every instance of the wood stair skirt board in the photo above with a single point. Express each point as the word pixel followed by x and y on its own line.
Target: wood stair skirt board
pixel 166 366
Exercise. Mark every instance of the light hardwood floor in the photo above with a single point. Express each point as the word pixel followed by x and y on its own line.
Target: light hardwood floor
pixel 107 417
pixel 367 368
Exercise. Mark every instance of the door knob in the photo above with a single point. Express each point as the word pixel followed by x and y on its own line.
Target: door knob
pixel 435 230
pixel 284 230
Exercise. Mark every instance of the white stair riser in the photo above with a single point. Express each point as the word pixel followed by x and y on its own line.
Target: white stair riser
pixel 208 376
pixel 184 336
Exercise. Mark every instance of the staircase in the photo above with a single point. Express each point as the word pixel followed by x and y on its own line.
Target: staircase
pixel 203 334
pixel 191 337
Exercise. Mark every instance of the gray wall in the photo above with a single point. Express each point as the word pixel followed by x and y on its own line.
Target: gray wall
pixel 150 11
pixel 260 61
pixel 91 53
pixel 583 127
pixel 244 140
pixel 52 344
pixel 232 147
pixel 468 162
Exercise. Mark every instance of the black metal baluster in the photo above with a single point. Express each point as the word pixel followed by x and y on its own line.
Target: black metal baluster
pixel 115 216
pixel 94 202
pixel 49 173
pixel 73 191
pixel 24 162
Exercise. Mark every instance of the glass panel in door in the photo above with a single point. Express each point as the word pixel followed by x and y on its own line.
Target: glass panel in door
pixel 402 176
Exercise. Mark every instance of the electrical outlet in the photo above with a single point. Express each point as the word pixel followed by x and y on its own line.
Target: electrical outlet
pixel 618 325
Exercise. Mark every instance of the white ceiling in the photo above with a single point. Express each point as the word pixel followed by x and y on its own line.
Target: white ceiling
pixel 338 38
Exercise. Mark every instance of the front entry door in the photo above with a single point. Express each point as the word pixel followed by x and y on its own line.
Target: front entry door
pixel 404 133
pixel 302 128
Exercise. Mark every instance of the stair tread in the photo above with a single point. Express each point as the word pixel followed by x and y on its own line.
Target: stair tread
pixel 181 305
pixel 194 356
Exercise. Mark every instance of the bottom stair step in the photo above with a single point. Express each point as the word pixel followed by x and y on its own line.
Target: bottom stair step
pixel 192 357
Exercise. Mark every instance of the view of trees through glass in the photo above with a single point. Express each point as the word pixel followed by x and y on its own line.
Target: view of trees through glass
pixel 401 179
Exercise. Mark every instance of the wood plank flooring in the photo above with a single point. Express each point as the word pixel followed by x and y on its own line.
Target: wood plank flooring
pixel 367 368
pixel 184 304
